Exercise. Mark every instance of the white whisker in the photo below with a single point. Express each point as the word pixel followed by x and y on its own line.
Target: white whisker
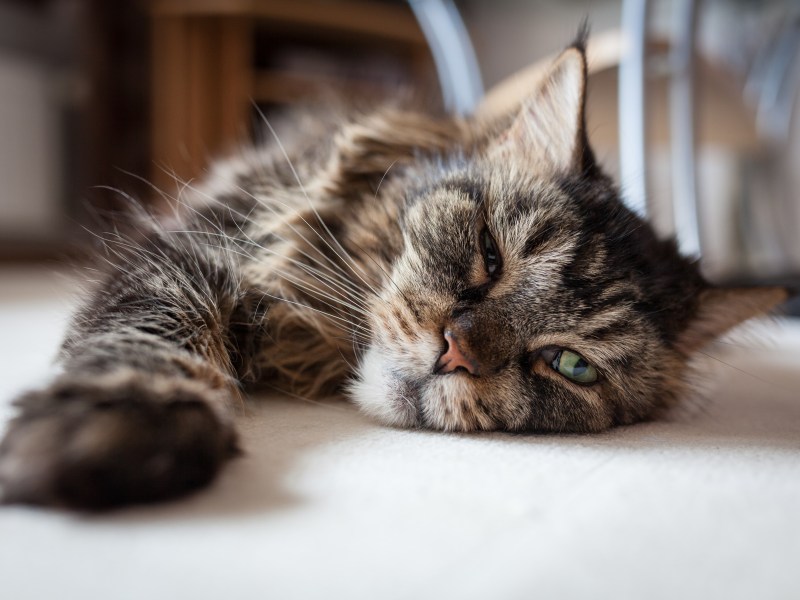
pixel 308 199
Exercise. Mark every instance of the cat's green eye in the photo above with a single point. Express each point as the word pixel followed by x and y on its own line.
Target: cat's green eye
pixel 570 364
pixel 491 256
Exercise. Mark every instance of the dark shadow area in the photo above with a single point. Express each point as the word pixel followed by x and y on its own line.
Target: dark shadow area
pixel 275 433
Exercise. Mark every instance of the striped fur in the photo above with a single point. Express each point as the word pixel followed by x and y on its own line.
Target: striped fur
pixel 334 262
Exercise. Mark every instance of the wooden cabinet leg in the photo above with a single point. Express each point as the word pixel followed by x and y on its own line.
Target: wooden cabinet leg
pixel 236 81
pixel 202 85
pixel 170 92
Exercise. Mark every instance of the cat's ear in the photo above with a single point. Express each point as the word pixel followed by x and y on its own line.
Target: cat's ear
pixel 722 309
pixel 549 130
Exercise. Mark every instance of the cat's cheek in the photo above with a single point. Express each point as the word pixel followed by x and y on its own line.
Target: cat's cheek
pixel 412 351
pixel 591 411
pixel 590 395
pixel 381 394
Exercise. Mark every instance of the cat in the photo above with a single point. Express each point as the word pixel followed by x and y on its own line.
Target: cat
pixel 444 273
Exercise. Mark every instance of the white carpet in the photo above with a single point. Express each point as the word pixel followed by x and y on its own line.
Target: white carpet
pixel 329 505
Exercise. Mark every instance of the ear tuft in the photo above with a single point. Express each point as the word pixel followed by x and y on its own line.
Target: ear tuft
pixel 582 37
pixel 549 129
pixel 721 309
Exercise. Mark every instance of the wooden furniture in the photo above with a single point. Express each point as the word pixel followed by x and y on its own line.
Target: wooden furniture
pixel 206 73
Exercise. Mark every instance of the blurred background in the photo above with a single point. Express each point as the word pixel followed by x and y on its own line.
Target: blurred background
pixel 137 95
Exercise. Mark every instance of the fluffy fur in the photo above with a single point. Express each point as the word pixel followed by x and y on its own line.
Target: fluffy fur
pixel 339 263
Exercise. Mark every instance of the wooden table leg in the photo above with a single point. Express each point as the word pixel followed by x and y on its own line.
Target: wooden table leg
pixel 202 85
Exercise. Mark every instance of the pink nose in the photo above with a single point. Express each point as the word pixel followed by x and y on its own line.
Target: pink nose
pixel 454 357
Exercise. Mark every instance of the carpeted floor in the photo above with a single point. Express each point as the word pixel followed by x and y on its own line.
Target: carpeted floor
pixel 325 504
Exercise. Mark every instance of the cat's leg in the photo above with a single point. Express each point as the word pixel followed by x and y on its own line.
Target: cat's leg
pixel 142 409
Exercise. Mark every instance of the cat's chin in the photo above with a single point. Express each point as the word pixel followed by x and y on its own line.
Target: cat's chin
pixel 383 393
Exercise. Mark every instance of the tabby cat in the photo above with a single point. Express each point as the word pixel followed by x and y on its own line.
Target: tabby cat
pixel 459 275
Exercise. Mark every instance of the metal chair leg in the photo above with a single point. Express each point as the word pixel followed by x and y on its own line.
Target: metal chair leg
pixel 682 127
pixel 632 132
pixel 453 54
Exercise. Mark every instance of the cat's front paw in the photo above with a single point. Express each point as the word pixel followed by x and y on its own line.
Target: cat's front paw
pixel 93 445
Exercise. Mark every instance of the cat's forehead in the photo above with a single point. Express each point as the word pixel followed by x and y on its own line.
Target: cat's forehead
pixel 514 202
pixel 525 206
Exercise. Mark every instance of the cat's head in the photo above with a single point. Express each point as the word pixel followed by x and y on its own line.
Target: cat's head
pixel 527 296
